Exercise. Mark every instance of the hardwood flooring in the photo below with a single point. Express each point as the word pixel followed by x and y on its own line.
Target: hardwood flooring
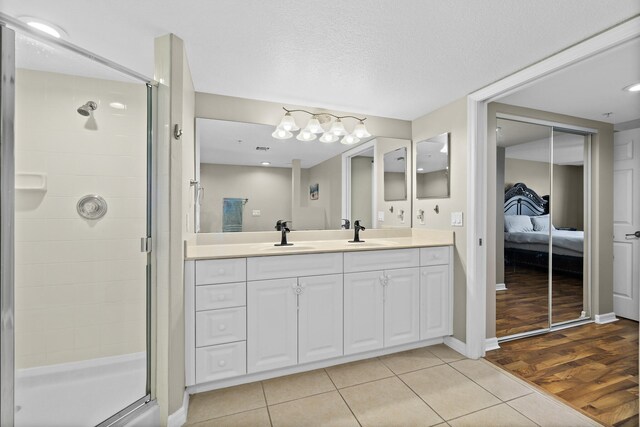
pixel 592 367
pixel 523 307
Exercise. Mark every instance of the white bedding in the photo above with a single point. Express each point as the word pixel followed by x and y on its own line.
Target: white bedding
pixel 571 240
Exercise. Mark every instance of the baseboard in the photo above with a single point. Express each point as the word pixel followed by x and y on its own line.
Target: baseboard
pixel 491 344
pixel 606 318
pixel 179 418
pixel 501 287
pixel 456 345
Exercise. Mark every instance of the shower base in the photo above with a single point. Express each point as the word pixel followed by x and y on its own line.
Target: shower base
pixel 79 394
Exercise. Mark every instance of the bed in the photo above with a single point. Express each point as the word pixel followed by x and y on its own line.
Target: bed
pixel 527 235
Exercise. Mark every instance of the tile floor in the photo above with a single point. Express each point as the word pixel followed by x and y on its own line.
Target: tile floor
pixel 430 386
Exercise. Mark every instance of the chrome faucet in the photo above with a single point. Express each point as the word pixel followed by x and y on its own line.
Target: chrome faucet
pixel 281 226
pixel 357 227
pixel 346 225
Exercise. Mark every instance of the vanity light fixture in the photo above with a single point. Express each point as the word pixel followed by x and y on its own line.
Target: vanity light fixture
pixel 314 127
pixel 445 148
pixel 632 88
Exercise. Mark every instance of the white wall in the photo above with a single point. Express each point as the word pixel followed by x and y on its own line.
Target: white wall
pixel 267 189
pixel 80 284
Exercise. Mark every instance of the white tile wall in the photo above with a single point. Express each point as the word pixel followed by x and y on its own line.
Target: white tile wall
pixel 80 285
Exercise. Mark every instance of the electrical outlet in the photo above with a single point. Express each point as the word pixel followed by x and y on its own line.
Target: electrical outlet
pixel 380 215
pixel 456 219
pixel 255 212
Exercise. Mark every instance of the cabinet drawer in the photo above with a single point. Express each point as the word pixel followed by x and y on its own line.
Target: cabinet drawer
pixel 213 297
pixel 212 271
pixel 221 361
pixel 379 260
pixel 276 267
pixel 221 326
pixel 434 256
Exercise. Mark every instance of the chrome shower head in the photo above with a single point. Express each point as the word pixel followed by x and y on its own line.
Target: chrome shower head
pixel 86 109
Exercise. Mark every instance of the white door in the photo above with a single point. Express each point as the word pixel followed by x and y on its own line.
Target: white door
pixel 401 306
pixel 363 312
pixel 435 302
pixel 272 324
pixel 626 223
pixel 320 317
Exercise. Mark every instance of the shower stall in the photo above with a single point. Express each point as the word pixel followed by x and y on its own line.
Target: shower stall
pixel 75 207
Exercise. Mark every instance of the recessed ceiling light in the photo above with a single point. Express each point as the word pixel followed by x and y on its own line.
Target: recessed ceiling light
pixel 632 88
pixel 420 169
pixel 118 105
pixel 44 26
pixel 265 163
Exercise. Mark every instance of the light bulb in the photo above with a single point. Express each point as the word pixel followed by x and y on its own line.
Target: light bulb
pixel 288 123
pixel 314 126
pixel 633 88
pixel 280 133
pixel 328 137
pixel 337 128
pixel 305 135
pixel 350 139
pixel 361 131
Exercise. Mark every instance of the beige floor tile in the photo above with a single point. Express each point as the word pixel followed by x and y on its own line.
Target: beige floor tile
pixel 292 387
pixel 388 402
pixel 492 379
pixel 445 353
pixel 496 416
pixel 448 392
pixel 226 401
pixel 254 418
pixel 358 372
pixel 547 412
pixel 412 360
pixel 327 409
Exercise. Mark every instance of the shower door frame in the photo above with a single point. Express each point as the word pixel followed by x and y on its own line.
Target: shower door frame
pixel 7 214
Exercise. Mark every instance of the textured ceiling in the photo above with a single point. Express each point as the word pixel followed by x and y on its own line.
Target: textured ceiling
pixel 387 58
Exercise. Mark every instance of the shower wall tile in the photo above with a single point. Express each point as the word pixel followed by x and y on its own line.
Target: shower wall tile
pixel 80 284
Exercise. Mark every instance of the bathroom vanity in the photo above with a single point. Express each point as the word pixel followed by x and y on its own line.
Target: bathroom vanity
pixel 255 311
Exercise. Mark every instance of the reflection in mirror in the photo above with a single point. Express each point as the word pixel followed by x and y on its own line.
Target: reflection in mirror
pixel 249 180
pixel 395 175
pixel 432 167
pixel 362 187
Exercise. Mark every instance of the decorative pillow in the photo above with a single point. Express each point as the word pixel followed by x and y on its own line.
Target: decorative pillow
pixel 541 223
pixel 517 224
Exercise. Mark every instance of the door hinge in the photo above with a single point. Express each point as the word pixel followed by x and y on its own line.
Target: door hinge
pixel 145 244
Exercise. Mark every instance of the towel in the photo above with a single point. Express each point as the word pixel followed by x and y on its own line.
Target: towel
pixel 232 214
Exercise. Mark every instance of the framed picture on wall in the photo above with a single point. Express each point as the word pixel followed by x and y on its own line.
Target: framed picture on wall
pixel 314 191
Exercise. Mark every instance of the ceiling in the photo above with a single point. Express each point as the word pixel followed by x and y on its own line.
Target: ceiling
pixel 370 57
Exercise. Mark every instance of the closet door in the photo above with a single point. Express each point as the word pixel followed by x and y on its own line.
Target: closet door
pixel 523 244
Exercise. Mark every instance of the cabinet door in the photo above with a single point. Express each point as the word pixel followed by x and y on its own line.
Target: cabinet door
pixel 435 297
pixel 320 317
pixel 271 324
pixel 401 306
pixel 363 312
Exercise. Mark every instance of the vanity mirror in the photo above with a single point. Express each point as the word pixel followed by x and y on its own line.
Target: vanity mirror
pixel 395 175
pixel 247 180
pixel 432 167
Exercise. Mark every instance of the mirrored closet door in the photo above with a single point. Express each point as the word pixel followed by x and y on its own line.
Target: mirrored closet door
pixel 541 182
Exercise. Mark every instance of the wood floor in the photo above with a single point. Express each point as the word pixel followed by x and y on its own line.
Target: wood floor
pixel 523 307
pixel 592 367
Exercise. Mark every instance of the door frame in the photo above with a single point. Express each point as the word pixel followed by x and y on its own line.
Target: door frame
pixel 477 191
pixel 346 180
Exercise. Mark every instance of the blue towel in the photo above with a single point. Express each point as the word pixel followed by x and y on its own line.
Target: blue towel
pixel 232 214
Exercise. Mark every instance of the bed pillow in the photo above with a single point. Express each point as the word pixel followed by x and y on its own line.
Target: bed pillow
pixel 541 223
pixel 517 224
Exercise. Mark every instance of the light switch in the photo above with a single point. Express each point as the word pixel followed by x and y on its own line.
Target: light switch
pixel 380 215
pixel 255 212
pixel 456 219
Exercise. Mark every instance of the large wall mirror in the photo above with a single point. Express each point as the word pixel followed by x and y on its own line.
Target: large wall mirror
pixel 432 167
pixel 248 180
pixel 395 175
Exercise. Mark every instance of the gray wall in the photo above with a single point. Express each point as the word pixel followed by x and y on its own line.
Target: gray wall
pixel 328 175
pixel 361 189
pixel 431 183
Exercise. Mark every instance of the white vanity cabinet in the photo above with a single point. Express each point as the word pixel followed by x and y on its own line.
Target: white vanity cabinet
pixel 296 319
pixel 436 293
pixel 382 307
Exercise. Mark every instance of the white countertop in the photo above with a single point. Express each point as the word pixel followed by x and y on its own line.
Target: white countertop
pixel 406 238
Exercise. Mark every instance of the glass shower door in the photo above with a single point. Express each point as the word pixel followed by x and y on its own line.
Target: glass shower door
pixel 81 209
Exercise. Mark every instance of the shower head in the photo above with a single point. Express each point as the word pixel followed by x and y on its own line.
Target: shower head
pixel 86 109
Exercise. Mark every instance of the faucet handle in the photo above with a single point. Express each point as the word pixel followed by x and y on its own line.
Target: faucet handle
pixel 356 224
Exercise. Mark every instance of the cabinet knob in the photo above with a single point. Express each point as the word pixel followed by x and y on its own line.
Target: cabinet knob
pixel 222 363
pixel 222 297
pixel 222 327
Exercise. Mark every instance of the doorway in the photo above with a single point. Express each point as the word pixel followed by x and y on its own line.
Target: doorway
pixel 542 223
